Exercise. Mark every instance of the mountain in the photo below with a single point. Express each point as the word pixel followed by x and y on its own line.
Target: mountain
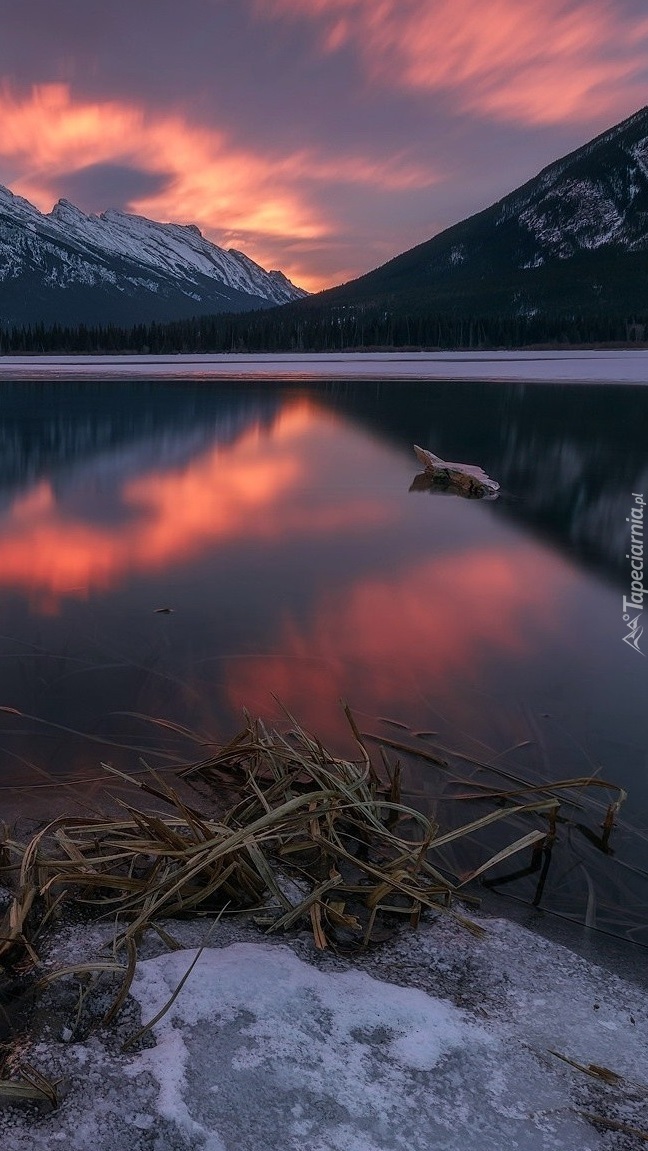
pixel 70 268
pixel 574 238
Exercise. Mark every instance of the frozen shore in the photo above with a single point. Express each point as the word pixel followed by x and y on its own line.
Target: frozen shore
pixel 619 366
pixel 436 1040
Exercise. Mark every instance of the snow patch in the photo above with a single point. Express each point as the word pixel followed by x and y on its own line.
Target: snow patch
pixel 591 367
pixel 262 1051
pixel 576 213
pixel 333 1061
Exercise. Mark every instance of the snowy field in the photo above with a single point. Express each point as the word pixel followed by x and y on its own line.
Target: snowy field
pixel 436 1040
pixel 623 367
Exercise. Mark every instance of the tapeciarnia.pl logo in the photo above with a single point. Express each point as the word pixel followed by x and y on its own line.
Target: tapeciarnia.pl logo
pixel 637 590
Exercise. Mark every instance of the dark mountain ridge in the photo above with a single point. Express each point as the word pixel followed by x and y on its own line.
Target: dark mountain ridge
pixel 573 238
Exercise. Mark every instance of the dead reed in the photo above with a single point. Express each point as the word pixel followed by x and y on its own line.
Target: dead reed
pixel 311 839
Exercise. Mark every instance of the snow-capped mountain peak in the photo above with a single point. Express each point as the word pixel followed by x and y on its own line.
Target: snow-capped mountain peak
pixel 150 269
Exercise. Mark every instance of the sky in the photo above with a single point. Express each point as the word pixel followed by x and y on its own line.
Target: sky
pixel 321 137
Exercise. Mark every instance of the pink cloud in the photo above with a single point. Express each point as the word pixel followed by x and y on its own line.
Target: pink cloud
pixel 537 62
pixel 239 198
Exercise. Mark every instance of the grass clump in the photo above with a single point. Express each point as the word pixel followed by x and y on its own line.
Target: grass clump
pixel 312 837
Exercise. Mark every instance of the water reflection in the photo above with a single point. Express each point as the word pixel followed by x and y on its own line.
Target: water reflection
pixel 566 456
pixel 95 528
pixel 390 641
pixel 54 545
pixel 278 525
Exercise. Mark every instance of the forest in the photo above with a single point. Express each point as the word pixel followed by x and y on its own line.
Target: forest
pixel 354 327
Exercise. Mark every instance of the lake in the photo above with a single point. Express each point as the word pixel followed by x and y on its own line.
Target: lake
pixel 182 547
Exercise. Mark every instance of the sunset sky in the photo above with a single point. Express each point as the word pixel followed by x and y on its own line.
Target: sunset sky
pixel 321 137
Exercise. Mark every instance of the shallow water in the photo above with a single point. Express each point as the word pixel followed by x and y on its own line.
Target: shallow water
pixel 276 523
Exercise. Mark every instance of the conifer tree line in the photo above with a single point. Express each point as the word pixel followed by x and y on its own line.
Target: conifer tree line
pixel 317 329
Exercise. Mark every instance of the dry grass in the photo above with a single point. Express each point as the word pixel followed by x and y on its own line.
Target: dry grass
pixel 311 839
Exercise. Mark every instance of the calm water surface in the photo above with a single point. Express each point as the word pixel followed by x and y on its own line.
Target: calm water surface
pixel 277 522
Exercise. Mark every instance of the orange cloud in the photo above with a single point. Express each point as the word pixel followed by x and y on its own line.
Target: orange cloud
pixel 537 62
pixel 389 640
pixel 238 198
pixel 230 193
pixel 251 489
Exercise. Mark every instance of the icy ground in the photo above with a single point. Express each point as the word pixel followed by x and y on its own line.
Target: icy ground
pixel 437 1040
pixel 629 367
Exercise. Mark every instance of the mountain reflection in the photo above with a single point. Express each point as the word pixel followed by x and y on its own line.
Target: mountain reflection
pixel 567 457
pixel 57 539
pixel 45 429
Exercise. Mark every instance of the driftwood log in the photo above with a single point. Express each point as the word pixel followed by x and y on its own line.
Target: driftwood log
pixel 466 480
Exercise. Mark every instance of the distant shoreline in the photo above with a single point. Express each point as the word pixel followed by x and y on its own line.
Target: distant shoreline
pixel 586 365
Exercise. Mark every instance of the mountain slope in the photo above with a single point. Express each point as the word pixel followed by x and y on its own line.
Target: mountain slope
pixel 573 238
pixel 70 268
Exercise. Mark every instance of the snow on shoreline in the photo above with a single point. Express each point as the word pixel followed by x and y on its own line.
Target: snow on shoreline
pixel 622 367
pixel 435 1040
